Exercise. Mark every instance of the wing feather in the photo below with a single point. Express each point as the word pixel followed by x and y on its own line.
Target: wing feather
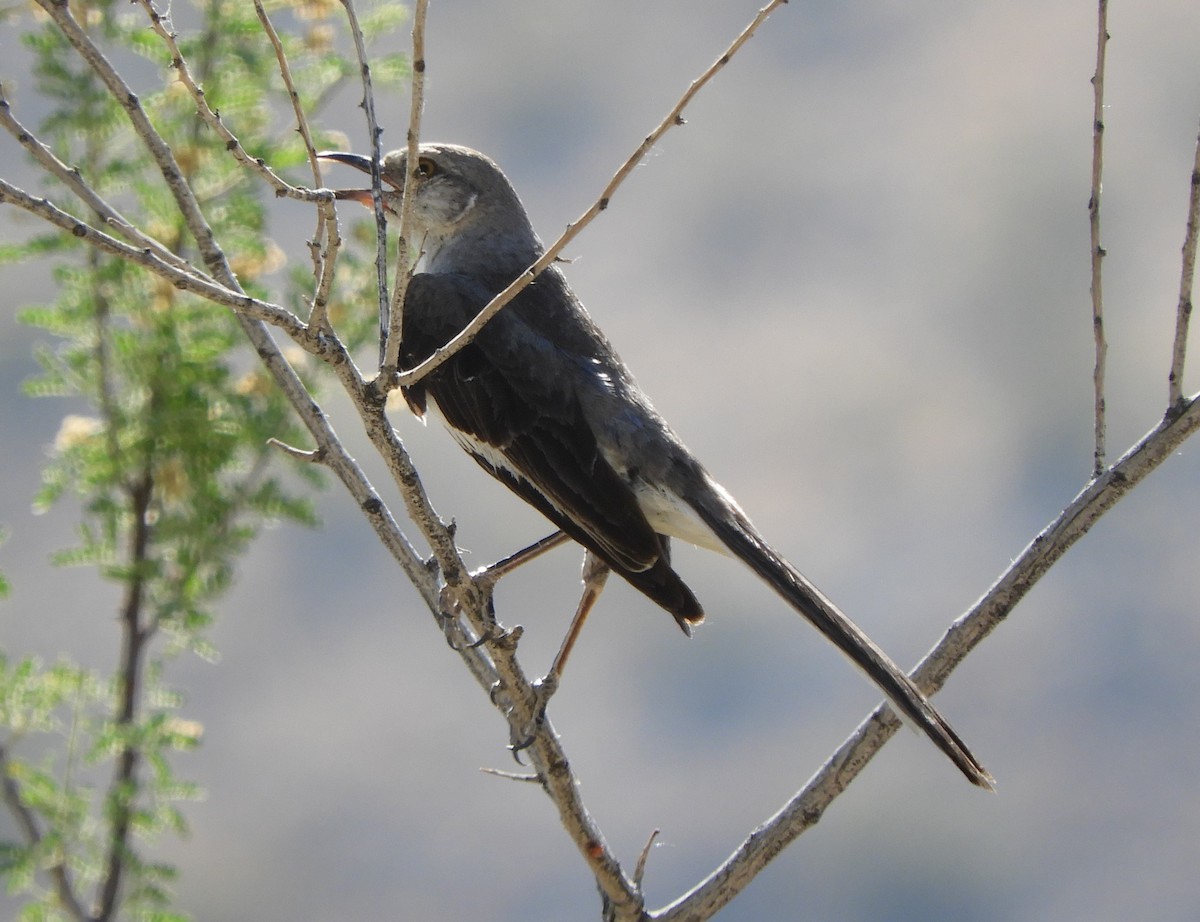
pixel 511 397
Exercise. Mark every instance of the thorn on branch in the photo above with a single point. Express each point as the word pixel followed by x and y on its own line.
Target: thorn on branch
pixel 508 640
pixel 511 776
pixel 640 870
pixel 316 456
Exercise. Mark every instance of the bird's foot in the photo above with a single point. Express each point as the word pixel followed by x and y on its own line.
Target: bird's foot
pixel 453 625
pixel 522 737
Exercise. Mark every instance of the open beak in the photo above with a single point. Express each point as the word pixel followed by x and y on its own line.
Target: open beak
pixel 360 163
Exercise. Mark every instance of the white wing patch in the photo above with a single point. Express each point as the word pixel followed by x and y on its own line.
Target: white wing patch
pixel 670 515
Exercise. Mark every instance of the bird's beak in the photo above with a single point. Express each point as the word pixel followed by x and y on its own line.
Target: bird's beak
pixel 360 163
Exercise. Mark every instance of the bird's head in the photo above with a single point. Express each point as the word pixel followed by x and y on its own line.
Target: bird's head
pixel 461 202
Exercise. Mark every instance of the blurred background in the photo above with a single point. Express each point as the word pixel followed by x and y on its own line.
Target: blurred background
pixel 857 284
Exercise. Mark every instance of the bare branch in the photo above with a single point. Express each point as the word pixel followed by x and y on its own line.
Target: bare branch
pixel 162 28
pixel 966 633
pixel 376 133
pixel 408 261
pixel 70 177
pixel 176 182
pixel 639 871
pixel 1186 276
pixel 181 278
pixel 674 117
pixel 300 454
pixel 512 776
pixel 326 241
pixel 1098 250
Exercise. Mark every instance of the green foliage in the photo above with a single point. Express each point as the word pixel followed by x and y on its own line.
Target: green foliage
pixel 169 462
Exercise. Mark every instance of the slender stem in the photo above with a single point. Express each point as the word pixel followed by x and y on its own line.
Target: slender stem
pixel 106 214
pixel 1186 277
pixel 326 240
pixel 123 787
pixel 408 260
pixel 368 107
pixel 1096 248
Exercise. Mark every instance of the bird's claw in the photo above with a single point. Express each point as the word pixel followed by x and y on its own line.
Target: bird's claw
pixel 453 629
pixel 523 737
pixel 543 689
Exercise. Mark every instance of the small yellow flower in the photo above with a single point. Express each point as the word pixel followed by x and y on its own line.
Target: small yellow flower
pixel 76 431
pixel 190 730
pixel 319 39
pixel 252 383
pixel 315 9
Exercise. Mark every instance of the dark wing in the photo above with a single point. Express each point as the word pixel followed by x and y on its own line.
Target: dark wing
pixel 510 397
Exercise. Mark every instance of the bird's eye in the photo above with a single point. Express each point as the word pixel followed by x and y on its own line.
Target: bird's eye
pixel 426 167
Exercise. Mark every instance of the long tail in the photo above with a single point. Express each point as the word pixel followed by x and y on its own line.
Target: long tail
pixel 738 534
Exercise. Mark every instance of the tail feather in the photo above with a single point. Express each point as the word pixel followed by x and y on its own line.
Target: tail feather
pixel 737 533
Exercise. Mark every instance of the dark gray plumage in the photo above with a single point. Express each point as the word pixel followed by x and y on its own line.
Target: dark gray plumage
pixel 541 400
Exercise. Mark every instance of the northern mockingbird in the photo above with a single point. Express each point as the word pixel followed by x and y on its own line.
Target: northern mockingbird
pixel 544 404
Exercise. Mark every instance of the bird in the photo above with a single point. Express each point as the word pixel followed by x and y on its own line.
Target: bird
pixel 542 402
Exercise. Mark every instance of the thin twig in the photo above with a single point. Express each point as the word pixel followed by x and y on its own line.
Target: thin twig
pixel 376 133
pixel 407 260
pixel 639 872
pixel 71 178
pixel 162 27
pixel 312 457
pixel 1184 312
pixel 511 776
pixel 124 785
pixel 285 71
pixel 1098 253
pixel 181 278
pixel 326 240
pixel 674 117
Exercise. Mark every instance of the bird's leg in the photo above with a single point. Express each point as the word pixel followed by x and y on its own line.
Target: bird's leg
pixel 595 573
pixel 490 575
pixel 486 578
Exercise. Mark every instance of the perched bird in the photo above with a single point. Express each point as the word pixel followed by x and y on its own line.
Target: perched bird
pixel 543 403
